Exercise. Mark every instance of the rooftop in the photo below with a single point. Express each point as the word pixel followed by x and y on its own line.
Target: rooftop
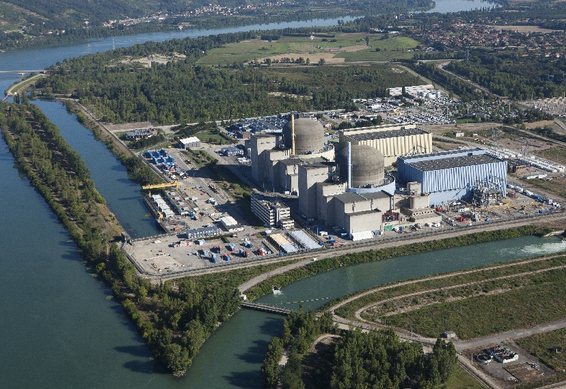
pixel 350 197
pixel 386 134
pixel 454 162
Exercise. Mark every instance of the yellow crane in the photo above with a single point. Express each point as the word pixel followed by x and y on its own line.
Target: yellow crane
pixel 176 184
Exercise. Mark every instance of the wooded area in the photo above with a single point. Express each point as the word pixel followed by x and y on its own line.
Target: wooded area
pixel 376 359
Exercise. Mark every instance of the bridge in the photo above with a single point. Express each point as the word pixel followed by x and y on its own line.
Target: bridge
pixel 266 308
pixel 22 71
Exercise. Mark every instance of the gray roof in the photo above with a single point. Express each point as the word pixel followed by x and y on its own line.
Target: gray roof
pixel 291 161
pixel 464 151
pixel 453 162
pixel 386 134
pixel 350 197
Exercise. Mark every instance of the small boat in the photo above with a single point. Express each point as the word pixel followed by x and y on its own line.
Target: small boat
pixel 276 290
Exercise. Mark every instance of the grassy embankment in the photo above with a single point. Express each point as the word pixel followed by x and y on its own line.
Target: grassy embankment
pixel 524 291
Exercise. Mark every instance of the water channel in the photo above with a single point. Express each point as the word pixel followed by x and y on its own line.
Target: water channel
pixel 60 328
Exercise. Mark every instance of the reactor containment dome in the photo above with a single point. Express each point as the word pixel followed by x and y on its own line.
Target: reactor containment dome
pixel 309 136
pixel 367 166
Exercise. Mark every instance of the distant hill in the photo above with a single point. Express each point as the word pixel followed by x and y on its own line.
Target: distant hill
pixel 73 12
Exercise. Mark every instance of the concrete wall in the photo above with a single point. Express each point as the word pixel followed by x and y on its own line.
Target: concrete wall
pixel 309 175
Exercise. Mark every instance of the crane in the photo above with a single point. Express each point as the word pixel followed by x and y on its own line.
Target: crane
pixel 176 184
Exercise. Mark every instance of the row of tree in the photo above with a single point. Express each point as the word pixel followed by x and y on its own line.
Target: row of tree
pixel 174 321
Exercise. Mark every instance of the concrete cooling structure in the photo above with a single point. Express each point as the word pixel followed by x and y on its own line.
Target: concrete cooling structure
pixel 361 166
pixel 453 175
pixel 308 135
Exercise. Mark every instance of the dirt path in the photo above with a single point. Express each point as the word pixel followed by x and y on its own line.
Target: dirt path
pixel 504 336
pixel 24 84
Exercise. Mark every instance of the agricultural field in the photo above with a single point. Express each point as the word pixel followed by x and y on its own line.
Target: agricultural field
pixel 333 48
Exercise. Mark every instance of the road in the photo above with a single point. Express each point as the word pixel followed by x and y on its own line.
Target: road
pixel 14 89
pixel 505 336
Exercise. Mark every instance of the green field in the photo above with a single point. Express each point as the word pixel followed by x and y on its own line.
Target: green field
pixel 343 46
pixel 459 379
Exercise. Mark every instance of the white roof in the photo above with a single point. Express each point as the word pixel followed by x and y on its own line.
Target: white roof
pixel 192 139
pixel 229 221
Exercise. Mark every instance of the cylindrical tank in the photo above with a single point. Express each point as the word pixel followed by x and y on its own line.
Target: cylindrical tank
pixel 309 136
pixel 367 166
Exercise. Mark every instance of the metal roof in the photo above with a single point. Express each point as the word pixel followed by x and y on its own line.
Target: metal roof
pixel 387 134
pixel 453 162
pixel 350 197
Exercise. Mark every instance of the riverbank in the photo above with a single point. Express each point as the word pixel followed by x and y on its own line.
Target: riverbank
pixel 61 177
pixel 262 285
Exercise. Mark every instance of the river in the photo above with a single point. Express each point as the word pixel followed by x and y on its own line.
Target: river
pixel 59 326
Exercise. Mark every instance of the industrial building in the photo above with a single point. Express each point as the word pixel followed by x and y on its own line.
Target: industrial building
pixel 344 186
pixel 189 143
pixel 143 133
pixel 272 214
pixel 353 193
pixel 275 158
pixel 457 174
pixel 391 140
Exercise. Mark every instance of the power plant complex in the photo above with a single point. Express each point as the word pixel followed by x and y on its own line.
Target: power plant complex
pixel 344 184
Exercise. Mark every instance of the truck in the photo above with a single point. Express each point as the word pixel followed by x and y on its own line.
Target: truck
pixel 227 257
pixel 214 258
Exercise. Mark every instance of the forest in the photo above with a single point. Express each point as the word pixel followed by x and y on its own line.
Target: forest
pixel 376 359
pixel 512 75
pixel 181 91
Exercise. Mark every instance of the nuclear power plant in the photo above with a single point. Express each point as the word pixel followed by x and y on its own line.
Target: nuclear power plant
pixel 343 185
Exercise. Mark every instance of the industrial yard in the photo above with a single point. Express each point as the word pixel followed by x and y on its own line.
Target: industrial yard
pixel 316 191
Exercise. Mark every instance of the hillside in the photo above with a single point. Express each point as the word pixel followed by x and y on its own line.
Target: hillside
pixel 22 22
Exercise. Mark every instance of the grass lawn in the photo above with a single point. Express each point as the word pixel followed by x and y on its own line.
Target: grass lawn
pixel 212 138
pixel 461 380
pixel 392 48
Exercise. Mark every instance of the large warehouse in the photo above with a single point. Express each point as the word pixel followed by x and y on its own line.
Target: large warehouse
pixel 392 140
pixel 454 175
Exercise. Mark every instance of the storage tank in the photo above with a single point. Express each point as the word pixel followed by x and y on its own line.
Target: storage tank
pixel 309 136
pixel 367 166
